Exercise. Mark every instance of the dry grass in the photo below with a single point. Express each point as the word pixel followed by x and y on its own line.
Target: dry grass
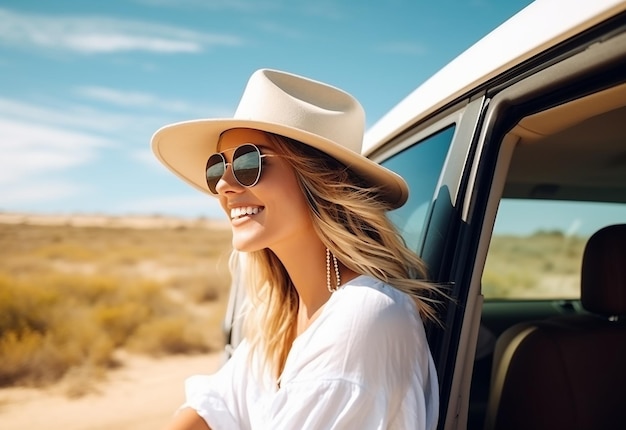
pixel 72 296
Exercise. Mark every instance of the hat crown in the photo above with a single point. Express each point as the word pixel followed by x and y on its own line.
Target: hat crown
pixel 295 102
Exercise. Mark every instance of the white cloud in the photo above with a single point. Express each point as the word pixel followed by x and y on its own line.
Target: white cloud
pixel 279 30
pixel 45 148
pixel 107 125
pixel 110 42
pixel 36 150
pixel 136 99
pixel 93 35
pixel 41 147
pixel 147 158
pixel 250 6
pixel 40 192
pixel 117 97
pixel 63 117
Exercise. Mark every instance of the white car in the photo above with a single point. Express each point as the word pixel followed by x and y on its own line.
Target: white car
pixel 515 153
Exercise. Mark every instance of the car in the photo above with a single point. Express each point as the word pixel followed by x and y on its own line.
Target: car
pixel 515 155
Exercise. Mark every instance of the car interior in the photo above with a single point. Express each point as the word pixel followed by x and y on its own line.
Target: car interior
pixel 556 360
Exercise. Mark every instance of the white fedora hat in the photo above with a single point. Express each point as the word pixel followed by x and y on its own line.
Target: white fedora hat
pixel 308 111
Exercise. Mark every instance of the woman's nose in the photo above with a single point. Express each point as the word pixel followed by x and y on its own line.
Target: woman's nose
pixel 227 182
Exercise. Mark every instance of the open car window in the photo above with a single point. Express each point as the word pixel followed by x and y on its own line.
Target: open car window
pixel 537 245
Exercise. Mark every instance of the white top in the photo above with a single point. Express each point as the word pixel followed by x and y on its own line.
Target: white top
pixel 364 363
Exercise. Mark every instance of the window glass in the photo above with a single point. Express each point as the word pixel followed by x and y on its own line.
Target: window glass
pixel 537 246
pixel 420 165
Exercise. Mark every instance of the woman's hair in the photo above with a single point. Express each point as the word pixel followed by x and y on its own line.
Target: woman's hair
pixel 352 222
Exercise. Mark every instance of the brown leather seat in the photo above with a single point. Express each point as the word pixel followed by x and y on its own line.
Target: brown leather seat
pixel 569 372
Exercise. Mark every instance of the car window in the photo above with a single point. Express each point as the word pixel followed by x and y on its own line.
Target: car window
pixel 420 165
pixel 537 246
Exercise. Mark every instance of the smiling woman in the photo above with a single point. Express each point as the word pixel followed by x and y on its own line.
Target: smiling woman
pixel 328 275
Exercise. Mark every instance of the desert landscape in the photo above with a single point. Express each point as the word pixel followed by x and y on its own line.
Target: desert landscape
pixel 92 356
pixel 103 318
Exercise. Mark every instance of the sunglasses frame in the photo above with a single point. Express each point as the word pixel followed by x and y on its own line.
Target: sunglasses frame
pixel 261 156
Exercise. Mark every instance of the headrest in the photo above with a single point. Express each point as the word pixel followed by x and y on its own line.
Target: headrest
pixel 603 277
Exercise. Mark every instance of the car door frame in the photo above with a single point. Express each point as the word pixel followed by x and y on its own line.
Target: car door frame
pixel 457 237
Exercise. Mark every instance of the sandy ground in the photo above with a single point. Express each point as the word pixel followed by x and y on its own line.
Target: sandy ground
pixel 141 395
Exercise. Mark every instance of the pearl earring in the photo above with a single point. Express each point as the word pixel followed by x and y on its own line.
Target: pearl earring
pixel 337 275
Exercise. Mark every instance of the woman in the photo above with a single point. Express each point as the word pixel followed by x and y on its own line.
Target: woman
pixel 334 337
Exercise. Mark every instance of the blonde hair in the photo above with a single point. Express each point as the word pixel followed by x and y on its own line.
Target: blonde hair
pixel 352 222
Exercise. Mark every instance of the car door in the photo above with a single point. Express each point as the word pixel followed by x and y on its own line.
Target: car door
pixel 482 164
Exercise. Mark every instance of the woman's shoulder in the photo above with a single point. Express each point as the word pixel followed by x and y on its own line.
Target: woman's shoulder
pixel 365 288
pixel 366 299
pixel 368 322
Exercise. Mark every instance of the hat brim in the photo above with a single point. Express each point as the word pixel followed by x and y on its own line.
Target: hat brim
pixel 184 148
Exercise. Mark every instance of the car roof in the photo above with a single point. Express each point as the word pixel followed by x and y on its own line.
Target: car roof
pixel 536 28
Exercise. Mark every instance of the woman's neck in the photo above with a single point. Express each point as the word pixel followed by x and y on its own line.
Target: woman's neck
pixel 307 269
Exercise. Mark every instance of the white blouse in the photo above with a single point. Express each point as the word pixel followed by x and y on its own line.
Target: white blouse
pixel 364 363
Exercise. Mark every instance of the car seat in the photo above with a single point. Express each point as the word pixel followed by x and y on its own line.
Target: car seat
pixel 569 372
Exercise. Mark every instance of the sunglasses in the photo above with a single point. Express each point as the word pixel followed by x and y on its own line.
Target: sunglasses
pixel 246 166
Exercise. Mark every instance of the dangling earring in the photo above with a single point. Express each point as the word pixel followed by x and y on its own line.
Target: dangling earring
pixel 337 275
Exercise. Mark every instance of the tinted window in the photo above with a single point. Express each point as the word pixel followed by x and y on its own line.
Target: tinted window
pixel 420 165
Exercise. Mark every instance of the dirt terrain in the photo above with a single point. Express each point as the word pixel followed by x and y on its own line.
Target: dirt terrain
pixel 142 395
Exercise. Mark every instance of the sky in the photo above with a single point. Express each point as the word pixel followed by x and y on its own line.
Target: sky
pixel 85 84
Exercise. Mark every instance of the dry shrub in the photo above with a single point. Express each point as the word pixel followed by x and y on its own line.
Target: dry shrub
pixel 52 324
pixel 81 381
pixel 66 251
pixel 120 320
pixel 200 290
pixel 20 354
pixel 72 297
pixel 165 336
pixel 35 359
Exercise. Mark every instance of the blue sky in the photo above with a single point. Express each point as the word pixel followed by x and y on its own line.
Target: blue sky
pixel 84 84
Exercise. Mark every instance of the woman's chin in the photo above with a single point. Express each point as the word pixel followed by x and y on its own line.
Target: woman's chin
pixel 245 245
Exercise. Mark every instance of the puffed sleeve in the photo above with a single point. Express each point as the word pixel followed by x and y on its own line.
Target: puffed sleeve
pixel 216 398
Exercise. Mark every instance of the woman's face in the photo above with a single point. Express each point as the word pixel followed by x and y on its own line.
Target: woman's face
pixel 273 213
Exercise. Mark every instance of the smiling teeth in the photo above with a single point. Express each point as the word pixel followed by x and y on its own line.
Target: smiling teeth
pixel 239 212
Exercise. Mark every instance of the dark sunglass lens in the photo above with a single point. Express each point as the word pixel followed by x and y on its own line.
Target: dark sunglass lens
pixel 247 165
pixel 214 171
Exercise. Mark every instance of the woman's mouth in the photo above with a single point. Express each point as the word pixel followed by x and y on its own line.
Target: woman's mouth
pixel 243 211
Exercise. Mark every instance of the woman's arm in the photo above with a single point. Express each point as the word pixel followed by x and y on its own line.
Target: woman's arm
pixel 187 419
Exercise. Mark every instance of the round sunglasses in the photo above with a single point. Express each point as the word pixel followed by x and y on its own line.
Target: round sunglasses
pixel 246 166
